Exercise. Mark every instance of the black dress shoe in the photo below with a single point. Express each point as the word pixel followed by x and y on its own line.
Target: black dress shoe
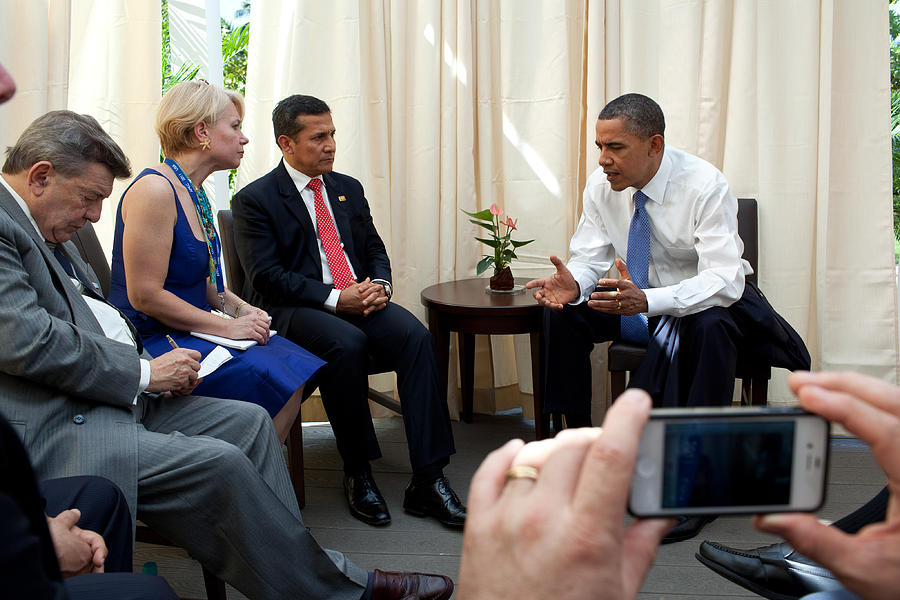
pixel 686 528
pixel 365 500
pixel 410 586
pixel 775 572
pixel 436 500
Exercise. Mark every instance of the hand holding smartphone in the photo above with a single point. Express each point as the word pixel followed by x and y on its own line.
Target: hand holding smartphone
pixel 730 461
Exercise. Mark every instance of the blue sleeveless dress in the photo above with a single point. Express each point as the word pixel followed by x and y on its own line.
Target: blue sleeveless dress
pixel 265 375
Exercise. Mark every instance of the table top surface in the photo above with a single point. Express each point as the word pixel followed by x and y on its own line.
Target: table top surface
pixel 473 294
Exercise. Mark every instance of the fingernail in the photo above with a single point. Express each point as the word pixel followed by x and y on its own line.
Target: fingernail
pixel 773 520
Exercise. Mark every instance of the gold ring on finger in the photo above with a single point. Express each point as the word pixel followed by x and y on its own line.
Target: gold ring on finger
pixel 522 472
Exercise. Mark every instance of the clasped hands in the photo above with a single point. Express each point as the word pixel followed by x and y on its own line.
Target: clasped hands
pixel 362 299
pixel 561 288
pixel 79 551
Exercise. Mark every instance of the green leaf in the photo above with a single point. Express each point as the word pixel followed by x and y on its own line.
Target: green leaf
pixel 484 215
pixel 483 264
pixel 235 42
pixel 491 243
pixel 518 244
pixel 487 226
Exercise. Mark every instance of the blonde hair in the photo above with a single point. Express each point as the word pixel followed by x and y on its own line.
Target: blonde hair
pixel 186 104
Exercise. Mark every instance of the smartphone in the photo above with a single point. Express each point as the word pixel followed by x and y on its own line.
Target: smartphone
pixel 711 461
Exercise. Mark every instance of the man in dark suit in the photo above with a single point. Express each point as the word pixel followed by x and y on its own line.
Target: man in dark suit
pixel 316 263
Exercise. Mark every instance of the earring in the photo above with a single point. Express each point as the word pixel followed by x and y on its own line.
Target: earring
pixel 205 144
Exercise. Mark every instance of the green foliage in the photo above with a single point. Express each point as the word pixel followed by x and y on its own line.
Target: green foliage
pixel 502 243
pixel 234 60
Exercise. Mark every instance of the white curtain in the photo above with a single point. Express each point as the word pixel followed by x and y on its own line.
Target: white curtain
pixel 99 58
pixel 447 105
pixel 460 104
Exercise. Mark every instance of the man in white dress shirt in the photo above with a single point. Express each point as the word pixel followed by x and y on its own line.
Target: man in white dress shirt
pixel 686 299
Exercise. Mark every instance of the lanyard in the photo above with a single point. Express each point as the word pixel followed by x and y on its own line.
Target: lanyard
pixel 204 213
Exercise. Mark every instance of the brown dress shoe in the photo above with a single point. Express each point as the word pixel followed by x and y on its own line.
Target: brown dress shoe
pixel 410 586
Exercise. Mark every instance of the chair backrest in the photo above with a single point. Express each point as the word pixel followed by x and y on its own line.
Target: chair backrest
pixel 748 229
pixel 234 272
pixel 85 239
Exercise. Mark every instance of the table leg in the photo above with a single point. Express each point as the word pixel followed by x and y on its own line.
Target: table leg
pixel 467 373
pixel 541 421
pixel 441 336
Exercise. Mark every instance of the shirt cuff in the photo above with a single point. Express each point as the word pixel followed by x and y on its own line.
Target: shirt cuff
pixel 659 301
pixel 331 301
pixel 145 379
pixel 584 282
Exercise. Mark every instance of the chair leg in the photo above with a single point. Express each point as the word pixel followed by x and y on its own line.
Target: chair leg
pixel 746 392
pixel 760 394
pixel 617 383
pixel 295 460
pixel 215 587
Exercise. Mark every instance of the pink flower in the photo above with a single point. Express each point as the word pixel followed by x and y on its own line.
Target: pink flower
pixel 496 210
pixel 511 223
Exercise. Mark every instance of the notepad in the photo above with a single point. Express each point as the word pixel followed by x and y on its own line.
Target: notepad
pixel 228 342
pixel 215 359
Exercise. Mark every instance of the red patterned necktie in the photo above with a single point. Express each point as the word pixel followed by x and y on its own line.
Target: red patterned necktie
pixel 337 260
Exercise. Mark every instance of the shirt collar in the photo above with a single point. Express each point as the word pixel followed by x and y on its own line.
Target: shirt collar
pixel 22 205
pixel 656 187
pixel 301 180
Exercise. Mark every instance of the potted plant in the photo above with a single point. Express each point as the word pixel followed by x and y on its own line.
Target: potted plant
pixel 501 242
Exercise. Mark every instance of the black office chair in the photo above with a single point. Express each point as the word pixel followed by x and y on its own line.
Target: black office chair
pixel 235 276
pixel 624 356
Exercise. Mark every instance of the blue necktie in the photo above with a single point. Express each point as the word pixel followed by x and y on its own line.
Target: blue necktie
pixel 634 327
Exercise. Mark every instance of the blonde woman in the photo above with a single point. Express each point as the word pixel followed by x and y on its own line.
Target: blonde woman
pixel 167 270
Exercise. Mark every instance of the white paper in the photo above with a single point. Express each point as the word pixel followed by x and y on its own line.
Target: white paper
pixel 215 359
pixel 228 342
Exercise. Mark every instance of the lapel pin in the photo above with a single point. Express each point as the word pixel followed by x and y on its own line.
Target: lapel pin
pixel 342 198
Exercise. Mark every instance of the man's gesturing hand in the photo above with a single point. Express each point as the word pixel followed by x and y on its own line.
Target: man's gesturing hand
pixel 175 371
pixel 557 290
pixel 628 299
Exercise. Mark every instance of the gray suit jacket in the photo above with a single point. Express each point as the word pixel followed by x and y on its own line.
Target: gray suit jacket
pixel 66 388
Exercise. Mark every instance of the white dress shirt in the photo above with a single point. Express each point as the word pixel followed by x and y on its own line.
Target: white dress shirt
pixel 695 250
pixel 301 180
pixel 110 320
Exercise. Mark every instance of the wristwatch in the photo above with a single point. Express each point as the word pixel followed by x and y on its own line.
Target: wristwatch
pixel 388 290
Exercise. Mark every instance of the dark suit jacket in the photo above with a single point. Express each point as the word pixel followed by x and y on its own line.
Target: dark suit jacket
pixel 28 566
pixel 277 244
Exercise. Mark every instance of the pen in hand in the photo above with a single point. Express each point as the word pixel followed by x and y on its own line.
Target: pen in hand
pixel 171 342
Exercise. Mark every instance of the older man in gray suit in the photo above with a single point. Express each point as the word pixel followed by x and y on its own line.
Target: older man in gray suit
pixel 206 473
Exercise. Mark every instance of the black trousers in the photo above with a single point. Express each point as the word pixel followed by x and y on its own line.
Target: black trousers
pixel 103 509
pixel 395 340
pixel 691 360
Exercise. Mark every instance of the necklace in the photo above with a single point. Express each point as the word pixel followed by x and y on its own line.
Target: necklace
pixel 204 213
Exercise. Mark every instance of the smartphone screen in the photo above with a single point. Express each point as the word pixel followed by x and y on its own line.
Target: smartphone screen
pixel 727 464
pixel 721 461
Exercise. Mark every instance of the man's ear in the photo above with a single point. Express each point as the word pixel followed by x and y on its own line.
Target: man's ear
pixel 39 175
pixel 657 143
pixel 284 142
